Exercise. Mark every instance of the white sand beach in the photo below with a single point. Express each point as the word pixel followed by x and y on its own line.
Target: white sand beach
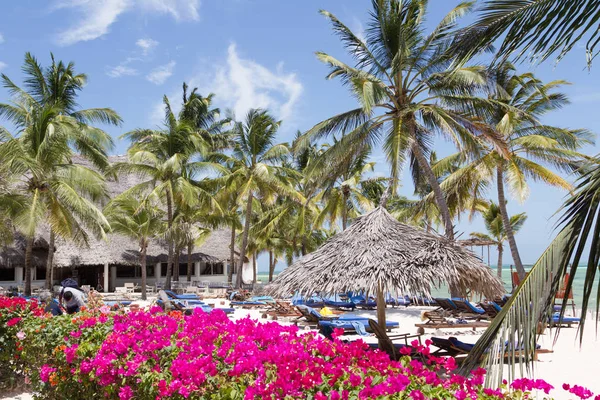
pixel 568 363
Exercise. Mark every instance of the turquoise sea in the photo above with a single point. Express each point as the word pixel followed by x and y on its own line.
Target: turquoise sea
pixel 443 292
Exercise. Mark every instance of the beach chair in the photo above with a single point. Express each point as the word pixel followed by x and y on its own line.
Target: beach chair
pixel 386 342
pixel 491 308
pixel 312 315
pixel 452 347
pixel 556 320
pixel 446 307
pixel 337 303
pixel 121 290
pixel 364 302
pixel 560 295
pixel 129 287
pixel 283 309
pixel 357 324
pixel 466 308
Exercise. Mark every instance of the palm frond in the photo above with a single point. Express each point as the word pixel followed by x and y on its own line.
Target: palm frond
pixel 533 29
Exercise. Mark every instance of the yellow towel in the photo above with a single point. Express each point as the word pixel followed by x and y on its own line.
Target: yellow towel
pixel 326 311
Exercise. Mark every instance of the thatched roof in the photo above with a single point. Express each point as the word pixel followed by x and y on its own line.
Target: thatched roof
pixel 376 249
pixel 476 242
pixel 117 249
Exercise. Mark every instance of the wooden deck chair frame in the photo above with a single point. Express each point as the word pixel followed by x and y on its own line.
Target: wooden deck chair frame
pixel 386 342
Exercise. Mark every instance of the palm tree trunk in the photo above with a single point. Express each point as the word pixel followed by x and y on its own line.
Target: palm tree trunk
pixel 381 310
pixel 169 239
pixel 189 260
pixel 510 236
pixel 500 253
pixel 50 262
pixel 28 251
pixel 270 266
pixel 254 267
pixel 238 281
pixel 176 264
pixel 231 256
pixel 437 190
pixel 344 209
pixel 143 264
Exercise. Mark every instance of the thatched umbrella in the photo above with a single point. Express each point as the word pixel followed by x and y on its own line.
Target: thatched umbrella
pixel 378 254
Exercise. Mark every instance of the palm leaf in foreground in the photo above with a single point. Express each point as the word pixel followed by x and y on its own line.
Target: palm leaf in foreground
pixel 534 29
pixel 532 301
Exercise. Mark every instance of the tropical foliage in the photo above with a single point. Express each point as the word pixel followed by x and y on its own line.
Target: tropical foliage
pixel 200 171
pixel 52 190
pixel 496 234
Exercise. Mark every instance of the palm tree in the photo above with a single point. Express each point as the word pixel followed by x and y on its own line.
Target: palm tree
pixel 403 80
pixel 255 168
pixel 50 128
pixel 138 220
pixel 344 188
pixel 519 102
pixel 492 218
pixel 171 159
pixel 534 29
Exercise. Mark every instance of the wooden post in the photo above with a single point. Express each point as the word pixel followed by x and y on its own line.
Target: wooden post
pixel 380 309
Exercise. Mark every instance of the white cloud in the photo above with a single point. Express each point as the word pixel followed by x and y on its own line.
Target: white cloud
pixel 96 16
pixel 358 29
pixel 159 75
pixel 243 84
pixel 1 38
pixel 146 45
pixel 121 70
pixel 2 65
pixel 179 9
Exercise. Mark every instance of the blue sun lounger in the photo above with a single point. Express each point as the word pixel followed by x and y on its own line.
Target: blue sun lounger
pixel 188 296
pixel 358 325
pixel 465 306
pixel 568 321
pixel 362 302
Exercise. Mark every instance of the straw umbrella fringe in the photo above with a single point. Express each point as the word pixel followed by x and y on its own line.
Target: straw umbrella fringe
pixel 378 254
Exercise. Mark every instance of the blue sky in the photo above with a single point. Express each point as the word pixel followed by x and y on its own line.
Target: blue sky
pixel 251 54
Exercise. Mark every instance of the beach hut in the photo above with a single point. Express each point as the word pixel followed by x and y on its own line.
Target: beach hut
pixel 378 254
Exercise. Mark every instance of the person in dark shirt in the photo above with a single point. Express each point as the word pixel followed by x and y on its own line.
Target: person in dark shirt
pixel 51 305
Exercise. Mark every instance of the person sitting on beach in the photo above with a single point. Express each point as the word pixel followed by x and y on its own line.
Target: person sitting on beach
pixel 50 304
pixel 73 300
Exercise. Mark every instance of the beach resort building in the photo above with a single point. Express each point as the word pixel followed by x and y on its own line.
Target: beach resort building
pixel 107 264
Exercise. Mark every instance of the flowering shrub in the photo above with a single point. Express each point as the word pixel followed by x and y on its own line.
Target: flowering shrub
pixel 153 355
pixel 12 312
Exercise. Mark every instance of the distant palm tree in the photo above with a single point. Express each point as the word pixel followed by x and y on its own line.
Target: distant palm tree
pixel 50 128
pixel 256 168
pixel 534 29
pixel 170 159
pixel 404 81
pixel 492 218
pixel 519 100
pixel 139 220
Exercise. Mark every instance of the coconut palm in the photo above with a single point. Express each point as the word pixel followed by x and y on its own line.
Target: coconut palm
pixel 49 129
pixel 519 102
pixel 256 169
pixel 344 188
pixel 533 29
pixel 402 79
pixel 492 218
pixel 138 220
pixel 170 159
